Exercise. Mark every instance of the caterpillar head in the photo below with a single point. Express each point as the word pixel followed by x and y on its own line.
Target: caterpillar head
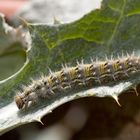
pixel 19 102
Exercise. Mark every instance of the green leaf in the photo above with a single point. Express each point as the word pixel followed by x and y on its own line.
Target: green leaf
pixel 111 30
pixel 12 53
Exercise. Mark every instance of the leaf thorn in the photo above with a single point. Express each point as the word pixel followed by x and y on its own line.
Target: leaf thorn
pixel 39 120
pixel 135 89
pixel 116 99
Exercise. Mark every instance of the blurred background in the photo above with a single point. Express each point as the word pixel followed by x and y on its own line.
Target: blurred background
pixel 82 119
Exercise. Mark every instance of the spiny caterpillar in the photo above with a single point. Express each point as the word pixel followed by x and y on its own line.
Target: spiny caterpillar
pixel 95 73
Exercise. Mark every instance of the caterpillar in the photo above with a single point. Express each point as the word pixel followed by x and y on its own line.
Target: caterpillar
pixel 95 73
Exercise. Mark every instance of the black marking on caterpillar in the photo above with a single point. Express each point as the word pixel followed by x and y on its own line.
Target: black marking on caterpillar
pixel 95 73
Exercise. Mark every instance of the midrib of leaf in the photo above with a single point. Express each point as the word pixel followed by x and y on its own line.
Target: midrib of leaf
pixel 116 27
